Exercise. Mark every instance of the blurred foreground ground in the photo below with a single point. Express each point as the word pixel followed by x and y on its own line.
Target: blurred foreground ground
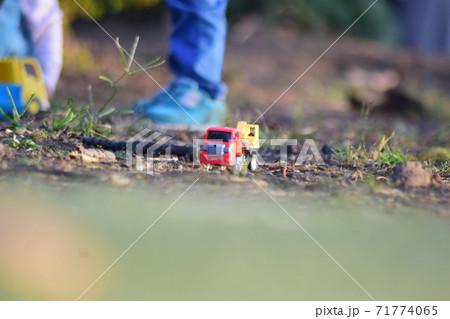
pixel 215 243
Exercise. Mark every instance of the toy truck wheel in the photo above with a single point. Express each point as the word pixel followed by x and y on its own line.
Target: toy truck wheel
pixel 253 163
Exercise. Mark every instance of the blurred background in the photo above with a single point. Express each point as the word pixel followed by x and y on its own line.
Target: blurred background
pixel 389 60
pixel 246 248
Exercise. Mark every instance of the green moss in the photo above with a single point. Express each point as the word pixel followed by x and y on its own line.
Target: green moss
pixel 435 154
pixel 390 157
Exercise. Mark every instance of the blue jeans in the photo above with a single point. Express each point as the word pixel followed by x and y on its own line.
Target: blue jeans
pixel 198 42
pixel 425 24
pixel 14 40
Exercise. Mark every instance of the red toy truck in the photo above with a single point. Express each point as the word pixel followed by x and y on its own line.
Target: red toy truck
pixel 224 146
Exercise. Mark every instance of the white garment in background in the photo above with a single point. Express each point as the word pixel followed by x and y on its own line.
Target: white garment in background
pixel 43 19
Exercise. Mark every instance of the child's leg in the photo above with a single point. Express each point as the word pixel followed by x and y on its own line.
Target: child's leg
pixel 14 41
pixel 197 95
pixel 198 42
pixel 425 24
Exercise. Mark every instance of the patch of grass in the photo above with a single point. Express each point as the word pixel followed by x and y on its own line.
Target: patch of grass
pixel 377 156
pixel 384 155
pixel 358 156
pixel 351 156
pixel 21 143
pixel 390 157
pixel 86 120
pixel 16 118
pixel 70 118
pixel 83 121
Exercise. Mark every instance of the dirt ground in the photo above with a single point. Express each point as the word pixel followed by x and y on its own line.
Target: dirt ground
pixel 408 92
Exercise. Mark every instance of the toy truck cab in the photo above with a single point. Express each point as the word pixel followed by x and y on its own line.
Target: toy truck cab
pixel 24 78
pixel 221 146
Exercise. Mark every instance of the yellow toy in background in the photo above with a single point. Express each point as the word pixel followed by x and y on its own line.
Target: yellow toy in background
pixel 23 77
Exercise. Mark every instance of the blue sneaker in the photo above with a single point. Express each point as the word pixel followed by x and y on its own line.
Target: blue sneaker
pixel 184 105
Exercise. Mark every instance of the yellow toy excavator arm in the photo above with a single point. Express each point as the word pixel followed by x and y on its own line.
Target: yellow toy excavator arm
pixel 250 134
